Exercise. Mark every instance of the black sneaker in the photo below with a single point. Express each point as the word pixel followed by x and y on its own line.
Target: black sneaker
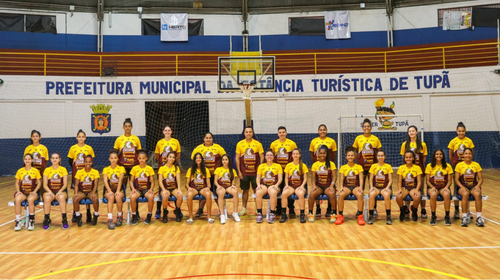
pixel 199 213
pixel 89 217
pixel 148 219
pixel 407 214
pixel 370 220
pixel 284 218
pixel 73 219
pixel 137 213
pixel 165 216
pixel 447 221
pixel 79 220
pixel 65 224
pixel 423 214
pixel 414 214
pixel 302 218
pixel 94 219
pixel 402 213
pixel 134 220
pixel 465 222
pixel 318 211
pixel 46 223
pixel 389 221
pixel 111 225
pixel 178 215
pixel 433 221
pixel 456 215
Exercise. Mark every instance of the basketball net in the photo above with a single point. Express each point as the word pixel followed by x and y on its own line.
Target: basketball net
pixel 247 89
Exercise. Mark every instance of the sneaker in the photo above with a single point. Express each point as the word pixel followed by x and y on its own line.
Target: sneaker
pixel 137 213
pixel 333 218
pixel 389 221
pixel 134 220
pixel 447 221
pixel 318 211
pixel 259 218
pixel 340 220
pixel 480 222
pixel 370 220
pixel 158 214
pixel 236 217
pixel 423 214
pixel 119 221
pixel 65 224
pixel 199 213
pixel 222 219
pixel 302 218
pixel 271 219
pixel 414 214
pixel 178 215
pixel 456 215
pixel 89 218
pixel 465 222
pixel 46 223
pixel 361 220
pixel 165 216
pixel 328 213
pixel 402 213
pixel 148 219
pixel 31 224
pixel 310 218
pixel 79 220
pixel 111 225
pixel 94 220
pixel 73 219
pixel 243 212
pixel 433 221
pixel 284 218
pixel 19 225
pixel 375 213
pixel 407 212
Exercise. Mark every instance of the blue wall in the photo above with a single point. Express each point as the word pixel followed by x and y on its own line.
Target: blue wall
pixel 115 43
pixel 486 154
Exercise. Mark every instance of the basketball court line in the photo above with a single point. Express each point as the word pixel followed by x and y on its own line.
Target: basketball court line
pixel 22 217
pixel 262 252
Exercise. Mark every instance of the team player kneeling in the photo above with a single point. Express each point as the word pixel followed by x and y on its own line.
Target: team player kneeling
pixel 268 179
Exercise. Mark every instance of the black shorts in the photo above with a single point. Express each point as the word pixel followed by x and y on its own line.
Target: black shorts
pixel 142 192
pixel 351 188
pixel 245 182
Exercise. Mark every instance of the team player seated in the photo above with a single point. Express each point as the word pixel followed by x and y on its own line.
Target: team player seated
pixel 113 180
pixel 169 179
pixel 55 182
pixel 27 185
pixel 224 179
pixel 142 184
pixel 324 176
pixel 409 182
pixel 469 178
pixel 269 176
pixel 380 183
pixel 86 182
pixel 351 178
pixel 295 180
pixel 439 179
pixel 198 182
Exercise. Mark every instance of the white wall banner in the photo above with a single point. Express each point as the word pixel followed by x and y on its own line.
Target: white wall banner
pixel 174 27
pixel 337 25
pixel 456 20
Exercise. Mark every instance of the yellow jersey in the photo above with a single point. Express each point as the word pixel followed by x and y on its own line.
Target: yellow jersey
pixel 409 175
pixel 78 154
pixel 249 156
pixel 113 176
pixel 163 147
pixel 381 175
pixel 367 150
pixel 27 179
pixel 269 174
pixel 468 173
pixel 198 180
pixel 55 178
pixel 40 156
pixel 86 179
pixel 458 146
pixel 283 151
pixel 128 146
pixel 419 155
pixel 317 142
pixel 211 155
pixel 295 178
pixel 439 175
pixel 224 176
pixel 142 177
pixel 169 175
pixel 323 173
pixel 351 175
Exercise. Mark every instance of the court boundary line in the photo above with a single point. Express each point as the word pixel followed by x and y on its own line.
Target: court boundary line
pixel 274 251
pixel 22 217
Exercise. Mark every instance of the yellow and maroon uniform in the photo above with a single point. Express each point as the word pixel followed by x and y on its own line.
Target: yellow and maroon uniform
pixel 224 176
pixel 409 175
pixel 351 175
pixel 419 155
pixel 323 174
pixel 169 176
pixel 86 179
pixel 367 150
pixel 458 146
pixel 249 156
pixel 211 155
pixel 142 177
pixel 40 156
pixel 198 180
pixel 55 178
pixel 128 146
pixel 317 142
pixel 269 174
pixel 468 173
pixel 438 175
pixel 381 175
pixel 295 178
pixel 283 151
pixel 27 179
pixel 78 154
pixel 163 147
pixel 114 176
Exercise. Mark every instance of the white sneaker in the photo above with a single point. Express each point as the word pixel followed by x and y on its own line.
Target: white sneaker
pixel 375 213
pixel 19 225
pixel 31 225
pixel 222 219
pixel 236 217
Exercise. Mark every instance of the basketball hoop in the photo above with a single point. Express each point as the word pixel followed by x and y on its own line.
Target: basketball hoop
pixel 247 89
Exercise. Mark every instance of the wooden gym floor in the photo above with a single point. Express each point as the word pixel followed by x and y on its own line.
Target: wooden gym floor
pixel 246 250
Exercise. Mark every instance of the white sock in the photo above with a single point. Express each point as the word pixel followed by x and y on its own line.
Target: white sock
pixel 77 214
pixel 149 213
pixel 110 216
pixel 478 214
pixel 119 213
pixel 133 213
pixel 18 217
pixel 96 213
pixel 464 215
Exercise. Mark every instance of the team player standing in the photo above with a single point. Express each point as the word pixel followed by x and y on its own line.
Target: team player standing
pixel 278 170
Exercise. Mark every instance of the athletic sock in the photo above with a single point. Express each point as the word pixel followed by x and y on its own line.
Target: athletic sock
pixel 77 214
pixel 388 212
pixel 18 217
pixel 149 213
pixel 310 212
pixel 302 212
pixel 341 212
pixel 119 213
pixel 359 213
pixel 110 216
pixel 274 212
pixel 133 213
pixel 258 211
pixel 334 211
pixel 447 213
pixel 478 214
pixel 464 215
pixel 64 215
pixel 96 213
pixel 433 214
pixel 32 216
pixel 371 212
pixel 47 216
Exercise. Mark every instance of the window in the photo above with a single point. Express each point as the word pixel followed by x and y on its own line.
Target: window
pixel 152 27
pixel 312 26
pixel 28 23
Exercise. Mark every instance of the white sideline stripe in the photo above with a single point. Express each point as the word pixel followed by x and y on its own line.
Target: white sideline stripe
pixel 473 213
pixel 22 217
pixel 279 251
